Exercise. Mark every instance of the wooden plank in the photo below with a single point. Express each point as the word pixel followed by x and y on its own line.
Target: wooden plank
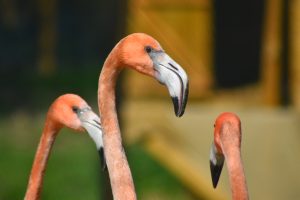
pixel 294 42
pixel 47 36
pixel 184 168
pixel 271 53
pixel 163 143
pixel 173 3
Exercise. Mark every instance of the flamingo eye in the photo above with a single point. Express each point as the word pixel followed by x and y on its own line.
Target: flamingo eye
pixel 214 125
pixel 148 49
pixel 75 109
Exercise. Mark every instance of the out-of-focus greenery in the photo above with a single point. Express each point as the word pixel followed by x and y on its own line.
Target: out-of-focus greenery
pixel 31 91
pixel 73 170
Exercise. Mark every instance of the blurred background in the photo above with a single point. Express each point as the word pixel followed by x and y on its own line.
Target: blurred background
pixel 240 57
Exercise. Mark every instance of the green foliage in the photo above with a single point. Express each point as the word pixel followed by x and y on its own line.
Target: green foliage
pixel 73 170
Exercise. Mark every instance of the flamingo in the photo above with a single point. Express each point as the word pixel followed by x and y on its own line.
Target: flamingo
pixel 70 111
pixel 227 143
pixel 144 54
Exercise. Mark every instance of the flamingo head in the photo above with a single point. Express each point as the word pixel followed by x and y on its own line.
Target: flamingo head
pixel 72 111
pixel 144 54
pixel 224 124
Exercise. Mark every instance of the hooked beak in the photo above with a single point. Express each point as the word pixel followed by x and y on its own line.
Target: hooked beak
pixel 91 123
pixel 171 74
pixel 216 165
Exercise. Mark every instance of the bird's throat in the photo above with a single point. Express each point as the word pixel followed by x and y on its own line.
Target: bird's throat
pixel 117 165
pixel 40 162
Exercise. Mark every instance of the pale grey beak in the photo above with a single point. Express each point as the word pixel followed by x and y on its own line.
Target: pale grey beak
pixel 171 74
pixel 91 123
pixel 216 164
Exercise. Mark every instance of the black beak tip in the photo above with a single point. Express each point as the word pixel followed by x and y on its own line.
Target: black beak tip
pixel 180 114
pixel 185 97
pixel 102 159
pixel 180 104
pixel 215 173
pixel 177 107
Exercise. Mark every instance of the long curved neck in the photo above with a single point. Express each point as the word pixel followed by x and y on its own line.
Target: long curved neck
pixel 235 168
pixel 119 171
pixel 34 187
pixel 236 174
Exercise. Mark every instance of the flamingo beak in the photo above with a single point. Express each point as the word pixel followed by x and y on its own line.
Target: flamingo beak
pixel 91 123
pixel 216 165
pixel 172 75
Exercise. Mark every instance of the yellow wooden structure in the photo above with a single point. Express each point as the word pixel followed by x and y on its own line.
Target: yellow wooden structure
pixel 270 146
pixel 294 41
pixel 184 29
pixel 47 39
pixel 270 135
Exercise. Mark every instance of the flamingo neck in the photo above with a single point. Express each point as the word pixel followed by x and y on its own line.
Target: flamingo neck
pixel 117 165
pixel 231 150
pixel 40 161
pixel 236 175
